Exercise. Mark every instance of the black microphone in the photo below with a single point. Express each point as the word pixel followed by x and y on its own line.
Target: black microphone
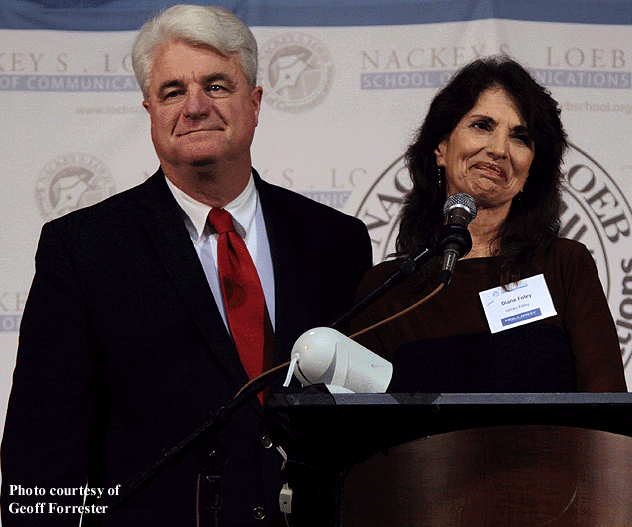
pixel 459 211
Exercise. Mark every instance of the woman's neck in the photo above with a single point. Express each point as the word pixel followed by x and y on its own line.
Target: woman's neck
pixel 484 231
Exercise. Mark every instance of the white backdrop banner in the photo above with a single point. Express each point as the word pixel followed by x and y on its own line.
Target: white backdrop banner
pixel 340 106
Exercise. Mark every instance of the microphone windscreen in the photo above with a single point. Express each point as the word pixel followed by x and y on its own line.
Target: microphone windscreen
pixel 461 201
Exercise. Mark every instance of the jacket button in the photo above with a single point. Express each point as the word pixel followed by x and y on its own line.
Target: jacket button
pixel 258 513
pixel 266 442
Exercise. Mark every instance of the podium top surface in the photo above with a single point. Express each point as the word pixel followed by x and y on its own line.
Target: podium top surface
pixel 365 423
pixel 417 399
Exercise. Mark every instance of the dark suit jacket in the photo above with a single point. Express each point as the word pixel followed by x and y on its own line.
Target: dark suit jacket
pixel 123 352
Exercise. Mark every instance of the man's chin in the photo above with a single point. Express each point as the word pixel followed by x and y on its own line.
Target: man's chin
pixel 200 153
pixel 200 158
pixel 203 162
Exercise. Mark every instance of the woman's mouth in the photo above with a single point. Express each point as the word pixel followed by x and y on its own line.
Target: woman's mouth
pixel 492 169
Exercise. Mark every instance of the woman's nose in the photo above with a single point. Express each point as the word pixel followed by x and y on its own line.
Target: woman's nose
pixel 498 145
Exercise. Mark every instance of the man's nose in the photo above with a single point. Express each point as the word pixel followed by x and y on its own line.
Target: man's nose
pixel 197 104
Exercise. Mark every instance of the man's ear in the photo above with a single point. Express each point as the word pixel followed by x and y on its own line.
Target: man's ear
pixel 257 96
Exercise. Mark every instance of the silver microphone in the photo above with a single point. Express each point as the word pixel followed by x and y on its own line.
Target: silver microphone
pixel 459 211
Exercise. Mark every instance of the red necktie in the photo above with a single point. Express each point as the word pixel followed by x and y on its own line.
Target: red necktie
pixel 242 292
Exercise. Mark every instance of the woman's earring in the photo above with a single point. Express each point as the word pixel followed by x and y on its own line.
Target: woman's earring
pixel 439 177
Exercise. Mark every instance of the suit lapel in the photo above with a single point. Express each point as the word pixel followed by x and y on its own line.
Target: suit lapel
pixel 289 287
pixel 165 227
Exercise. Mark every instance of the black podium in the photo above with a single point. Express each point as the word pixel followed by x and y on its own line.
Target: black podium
pixel 327 437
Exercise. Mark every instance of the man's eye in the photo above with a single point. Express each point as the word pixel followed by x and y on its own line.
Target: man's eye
pixel 218 90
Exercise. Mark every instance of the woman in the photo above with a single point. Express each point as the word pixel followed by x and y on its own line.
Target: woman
pixel 495 134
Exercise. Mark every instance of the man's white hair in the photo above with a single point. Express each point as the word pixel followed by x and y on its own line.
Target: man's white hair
pixel 208 26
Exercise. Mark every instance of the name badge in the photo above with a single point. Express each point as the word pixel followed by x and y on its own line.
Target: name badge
pixel 524 302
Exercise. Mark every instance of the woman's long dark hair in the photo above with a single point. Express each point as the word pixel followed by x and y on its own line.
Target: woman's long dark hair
pixel 534 218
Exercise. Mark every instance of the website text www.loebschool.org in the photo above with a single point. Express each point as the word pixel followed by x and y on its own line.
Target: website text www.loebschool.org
pixel 604 107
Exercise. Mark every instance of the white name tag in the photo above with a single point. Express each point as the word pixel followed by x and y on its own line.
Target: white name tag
pixel 525 302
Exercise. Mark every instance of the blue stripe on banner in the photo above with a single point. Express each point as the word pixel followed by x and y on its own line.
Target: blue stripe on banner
pixel 68 83
pixel 621 80
pixel 129 15
pixel 404 80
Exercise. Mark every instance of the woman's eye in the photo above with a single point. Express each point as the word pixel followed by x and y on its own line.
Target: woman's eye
pixel 483 125
pixel 523 138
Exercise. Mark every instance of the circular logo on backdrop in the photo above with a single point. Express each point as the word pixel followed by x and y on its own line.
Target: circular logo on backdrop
pixel 595 212
pixel 296 71
pixel 70 182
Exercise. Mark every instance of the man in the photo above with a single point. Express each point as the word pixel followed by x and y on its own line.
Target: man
pixel 125 345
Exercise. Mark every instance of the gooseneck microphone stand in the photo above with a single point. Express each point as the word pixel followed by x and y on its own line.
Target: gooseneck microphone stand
pixel 455 240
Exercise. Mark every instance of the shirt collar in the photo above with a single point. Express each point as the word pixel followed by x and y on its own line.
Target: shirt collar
pixel 242 209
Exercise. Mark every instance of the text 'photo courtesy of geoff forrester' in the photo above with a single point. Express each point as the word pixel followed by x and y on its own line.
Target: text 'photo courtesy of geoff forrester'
pixel 49 505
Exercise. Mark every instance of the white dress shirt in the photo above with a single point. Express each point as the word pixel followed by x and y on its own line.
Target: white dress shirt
pixel 249 224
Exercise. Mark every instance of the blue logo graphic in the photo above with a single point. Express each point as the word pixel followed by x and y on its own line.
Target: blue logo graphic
pixel 521 317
